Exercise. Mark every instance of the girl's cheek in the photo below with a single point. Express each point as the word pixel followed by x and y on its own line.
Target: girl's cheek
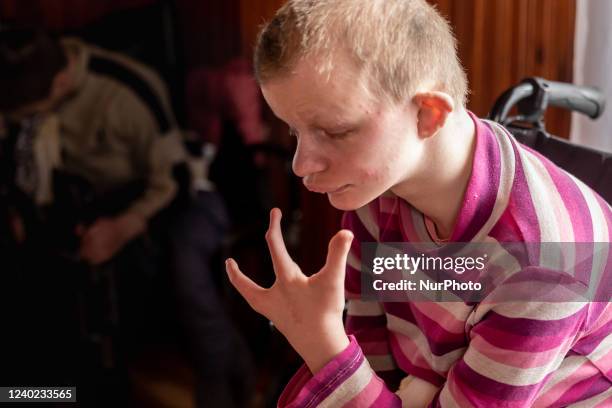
pixel 373 174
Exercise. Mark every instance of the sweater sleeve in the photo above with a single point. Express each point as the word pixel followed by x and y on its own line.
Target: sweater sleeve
pixel 346 381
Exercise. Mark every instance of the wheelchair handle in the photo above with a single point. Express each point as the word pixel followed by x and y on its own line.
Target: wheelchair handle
pixel 534 95
pixel 584 99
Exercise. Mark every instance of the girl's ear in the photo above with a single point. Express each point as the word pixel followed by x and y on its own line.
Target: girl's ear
pixel 433 110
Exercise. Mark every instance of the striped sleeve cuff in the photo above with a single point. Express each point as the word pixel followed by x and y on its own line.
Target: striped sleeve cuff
pixel 346 381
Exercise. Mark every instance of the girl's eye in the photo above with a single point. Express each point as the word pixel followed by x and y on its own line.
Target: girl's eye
pixel 338 135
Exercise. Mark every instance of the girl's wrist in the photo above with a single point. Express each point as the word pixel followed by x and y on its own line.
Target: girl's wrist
pixel 324 349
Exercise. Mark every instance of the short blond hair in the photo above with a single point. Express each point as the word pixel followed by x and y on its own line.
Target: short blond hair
pixel 400 45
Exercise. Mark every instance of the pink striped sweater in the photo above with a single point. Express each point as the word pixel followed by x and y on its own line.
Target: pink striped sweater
pixel 520 354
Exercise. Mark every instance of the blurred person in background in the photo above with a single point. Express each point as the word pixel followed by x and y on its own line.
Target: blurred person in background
pixel 90 147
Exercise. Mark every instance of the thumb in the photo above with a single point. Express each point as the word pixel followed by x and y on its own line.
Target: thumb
pixel 337 252
pixel 250 291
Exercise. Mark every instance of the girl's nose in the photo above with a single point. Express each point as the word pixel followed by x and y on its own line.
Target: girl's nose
pixel 308 158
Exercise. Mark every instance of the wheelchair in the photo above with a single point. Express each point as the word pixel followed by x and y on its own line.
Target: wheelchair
pixel 532 97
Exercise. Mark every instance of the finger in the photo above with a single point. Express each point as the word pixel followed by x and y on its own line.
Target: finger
pixel 281 259
pixel 337 252
pixel 250 291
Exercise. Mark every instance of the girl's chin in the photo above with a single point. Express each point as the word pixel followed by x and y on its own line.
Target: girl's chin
pixel 346 203
pixel 343 206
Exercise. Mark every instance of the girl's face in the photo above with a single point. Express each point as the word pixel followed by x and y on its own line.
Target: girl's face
pixel 350 145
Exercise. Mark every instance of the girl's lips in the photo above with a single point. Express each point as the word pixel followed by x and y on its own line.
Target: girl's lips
pixel 339 190
pixel 323 190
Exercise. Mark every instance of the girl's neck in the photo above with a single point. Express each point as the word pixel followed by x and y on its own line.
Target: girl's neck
pixel 439 190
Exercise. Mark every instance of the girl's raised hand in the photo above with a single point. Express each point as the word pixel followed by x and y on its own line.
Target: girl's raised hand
pixel 307 310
